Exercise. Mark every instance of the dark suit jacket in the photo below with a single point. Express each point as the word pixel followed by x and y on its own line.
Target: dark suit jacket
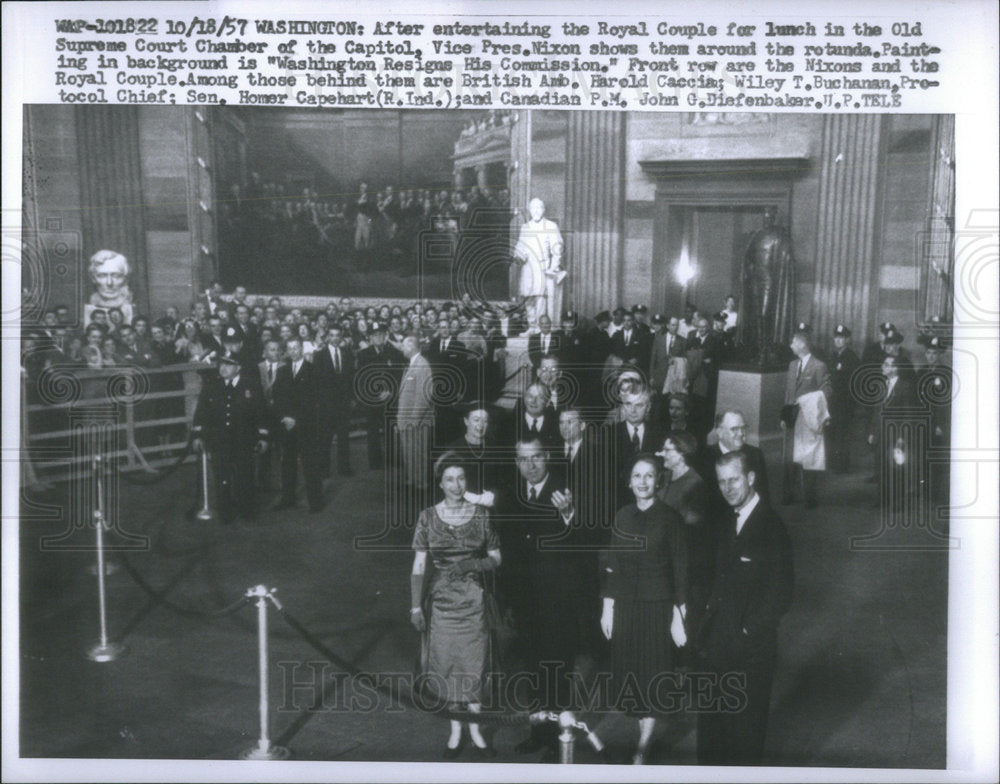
pixel 752 588
pixel 296 397
pixel 624 452
pixel 334 390
pixel 636 351
pixel 242 406
pixel 704 358
pixel 535 351
pixel 515 427
pixel 842 367
pixel 388 361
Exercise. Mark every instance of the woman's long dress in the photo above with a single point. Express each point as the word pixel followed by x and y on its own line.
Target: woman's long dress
pixel 646 568
pixel 456 641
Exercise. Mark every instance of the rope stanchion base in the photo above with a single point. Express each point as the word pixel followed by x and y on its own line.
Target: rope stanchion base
pixel 268 752
pixel 204 514
pixel 106 652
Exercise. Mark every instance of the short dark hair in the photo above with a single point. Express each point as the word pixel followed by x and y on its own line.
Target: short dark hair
pixel 647 457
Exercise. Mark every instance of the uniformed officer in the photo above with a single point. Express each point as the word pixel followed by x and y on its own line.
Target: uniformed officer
pixel 380 372
pixel 229 422
pixel 842 367
pixel 234 343
pixel 934 391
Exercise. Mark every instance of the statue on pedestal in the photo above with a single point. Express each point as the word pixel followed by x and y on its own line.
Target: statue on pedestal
pixel 768 296
pixel 539 249
pixel 109 271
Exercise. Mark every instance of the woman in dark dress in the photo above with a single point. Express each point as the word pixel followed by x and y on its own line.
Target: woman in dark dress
pixel 449 609
pixel 644 596
pixel 686 493
pixel 478 452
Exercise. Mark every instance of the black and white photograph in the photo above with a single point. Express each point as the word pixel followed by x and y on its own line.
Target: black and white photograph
pixel 508 436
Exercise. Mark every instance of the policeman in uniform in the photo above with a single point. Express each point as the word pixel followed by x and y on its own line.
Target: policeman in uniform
pixel 842 367
pixel 235 345
pixel 229 422
pixel 380 372
pixel 934 390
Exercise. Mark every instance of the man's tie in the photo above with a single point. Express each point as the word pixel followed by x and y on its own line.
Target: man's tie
pixel 798 373
pixel 336 359
pixel 568 450
pixel 534 425
pixel 270 373
pixel 635 439
pixel 532 495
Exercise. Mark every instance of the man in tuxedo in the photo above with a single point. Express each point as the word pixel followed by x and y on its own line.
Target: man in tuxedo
pixel 547 582
pixel 334 375
pixel 843 364
pixel 731 427
pixel 295 406
pixel 736 632
pixel 380 370
pixel 806 374
pixel 229 422
pixel 633 436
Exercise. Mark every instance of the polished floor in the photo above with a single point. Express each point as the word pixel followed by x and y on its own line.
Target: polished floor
pixel 861 682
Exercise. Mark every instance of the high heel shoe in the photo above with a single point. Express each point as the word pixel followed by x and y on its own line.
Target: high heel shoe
pixel 452 752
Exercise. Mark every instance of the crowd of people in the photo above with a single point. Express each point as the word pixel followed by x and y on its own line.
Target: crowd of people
pixel 361 231
pixel 614 516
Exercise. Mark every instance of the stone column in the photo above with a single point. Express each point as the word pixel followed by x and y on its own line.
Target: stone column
pixel 846 245
pixel 595 201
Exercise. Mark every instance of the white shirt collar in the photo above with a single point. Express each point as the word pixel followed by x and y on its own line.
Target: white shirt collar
pixel 744 513
pixel 574 447
pixel 723 449
pixel 804 359
pixel 640 429
pixel 234 380
pixel 529 419
pixel 891 384
pixel 413 358
pixel 538 487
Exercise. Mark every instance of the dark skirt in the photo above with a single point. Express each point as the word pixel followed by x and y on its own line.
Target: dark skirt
pixel 644 678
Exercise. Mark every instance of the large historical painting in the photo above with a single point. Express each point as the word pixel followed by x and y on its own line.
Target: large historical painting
pixel 368 204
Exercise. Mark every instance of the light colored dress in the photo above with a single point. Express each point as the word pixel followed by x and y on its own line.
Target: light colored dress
pixel 455 645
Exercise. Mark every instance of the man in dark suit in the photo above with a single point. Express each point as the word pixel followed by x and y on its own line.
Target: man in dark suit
pixel 450 362
pixel 267 369
pixel 704 354
pixel 532 417
pixel 295 407
pixel 547 581
pixel 631 344
pixel 229 422
pixel 890 427
pixel 736 631
pixel 806 374
pixel 731 427
pixel 380 371
pixel 544 343
pixel 842 367
pixel 334 366
pixel 631 437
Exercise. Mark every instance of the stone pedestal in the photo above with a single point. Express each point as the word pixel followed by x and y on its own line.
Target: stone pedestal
pixel 759 394
pixel 517 370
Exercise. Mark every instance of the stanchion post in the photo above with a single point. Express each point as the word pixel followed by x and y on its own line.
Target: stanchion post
pixel 103 651
pixel 567 723
pixel 205 513
pixel 264 750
